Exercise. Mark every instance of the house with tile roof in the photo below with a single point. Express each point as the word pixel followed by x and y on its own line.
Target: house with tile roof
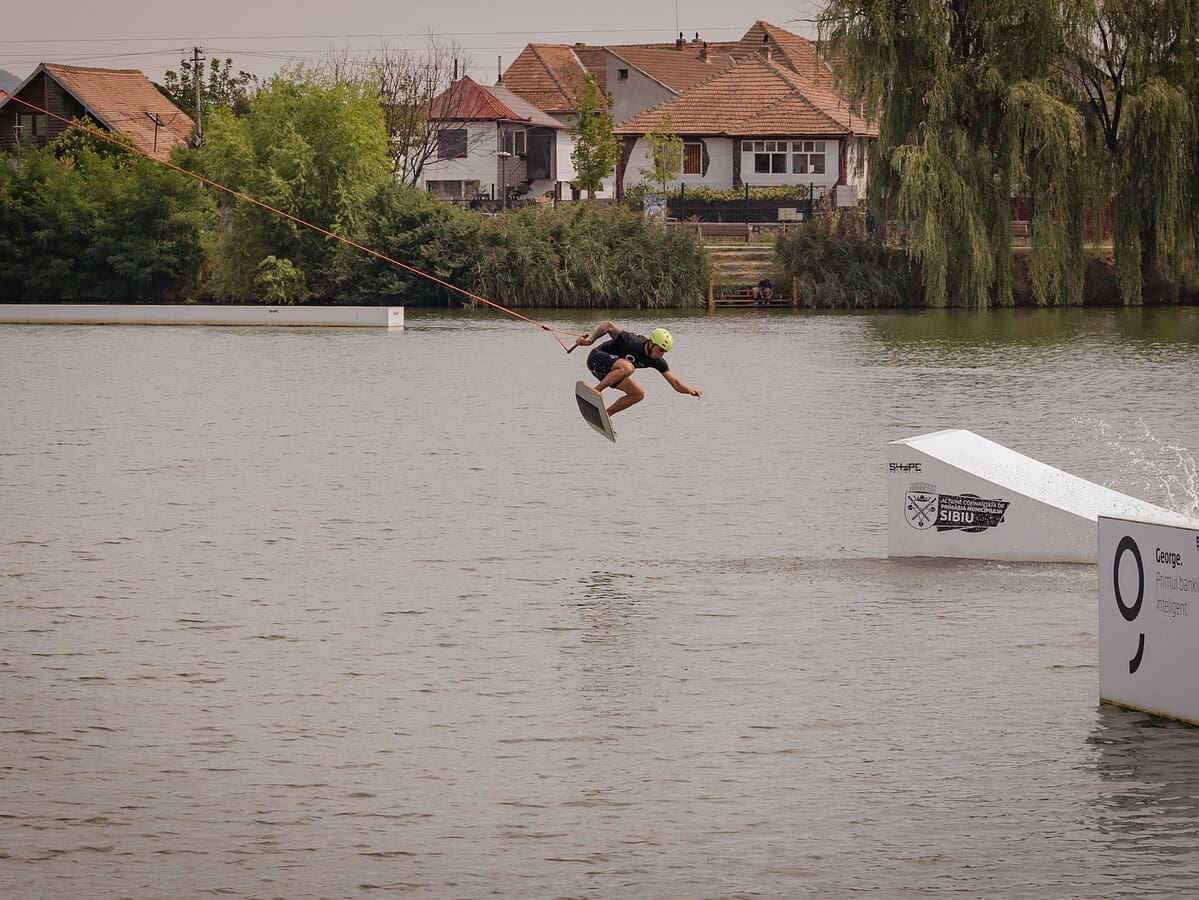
pixel 759 123
pixel 784 73
pixel 492 142
pixel 635 76
pixel 123 101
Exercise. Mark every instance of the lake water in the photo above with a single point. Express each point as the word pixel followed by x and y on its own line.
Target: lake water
pixel 337 613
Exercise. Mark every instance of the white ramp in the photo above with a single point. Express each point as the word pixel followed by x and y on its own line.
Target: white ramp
pixel 954 493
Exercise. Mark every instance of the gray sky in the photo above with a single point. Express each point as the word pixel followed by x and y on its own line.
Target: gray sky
pixel 263 35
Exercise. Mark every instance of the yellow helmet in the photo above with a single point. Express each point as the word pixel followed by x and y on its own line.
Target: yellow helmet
pixel 662 338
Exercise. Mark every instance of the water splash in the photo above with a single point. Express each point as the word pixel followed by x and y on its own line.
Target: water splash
pixel 1167 469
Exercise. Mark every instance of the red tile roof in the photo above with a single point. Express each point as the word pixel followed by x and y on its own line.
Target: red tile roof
pixel 524 110
pixel 795 52
pixel 119 99
pixel 677 69
pixel 542 73
pixel 467 100
pixel 753 99
pixel 546 75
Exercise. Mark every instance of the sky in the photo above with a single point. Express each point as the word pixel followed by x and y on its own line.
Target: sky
pixel 261 36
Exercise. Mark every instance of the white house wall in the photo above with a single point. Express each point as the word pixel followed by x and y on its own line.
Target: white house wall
pixel 720 168
pixel 564 146
pixel 857 157
pixel 480 163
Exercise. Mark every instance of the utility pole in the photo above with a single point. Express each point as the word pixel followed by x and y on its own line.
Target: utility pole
pixel 197 60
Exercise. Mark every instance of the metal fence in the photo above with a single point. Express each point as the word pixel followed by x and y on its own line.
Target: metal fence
pixel 685 210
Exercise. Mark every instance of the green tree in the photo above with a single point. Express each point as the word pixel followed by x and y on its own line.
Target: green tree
pixel 413 227
pixel 596 147
pixel 1071 104
pixel 313 149
pixel 665 154
pixel 1135 64
pixel 958 88
pixel 219 88
pixel 77 224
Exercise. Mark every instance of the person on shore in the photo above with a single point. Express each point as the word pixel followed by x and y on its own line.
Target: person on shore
pixel 764 290
pixel 614 361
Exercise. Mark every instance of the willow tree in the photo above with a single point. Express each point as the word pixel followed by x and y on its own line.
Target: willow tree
pixel 1136 65
pixel 1073 104
pixel 968 118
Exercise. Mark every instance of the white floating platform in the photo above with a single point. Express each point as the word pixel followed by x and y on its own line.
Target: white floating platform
pixel 956 494
pixel 189 314
pixel 1149 617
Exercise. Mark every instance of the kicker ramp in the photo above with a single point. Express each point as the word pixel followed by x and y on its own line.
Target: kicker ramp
pixel 956 494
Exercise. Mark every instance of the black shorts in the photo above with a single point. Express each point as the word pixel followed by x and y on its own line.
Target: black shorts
pixel 600 362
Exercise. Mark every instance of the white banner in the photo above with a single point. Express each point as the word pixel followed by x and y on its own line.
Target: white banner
pixel 1149 617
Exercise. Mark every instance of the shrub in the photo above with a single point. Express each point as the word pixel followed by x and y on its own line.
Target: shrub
pixel 586 256
pixel 838 264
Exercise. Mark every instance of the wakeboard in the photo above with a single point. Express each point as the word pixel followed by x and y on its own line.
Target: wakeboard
pixel 591 405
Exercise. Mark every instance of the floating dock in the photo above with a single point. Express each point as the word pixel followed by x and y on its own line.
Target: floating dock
pixel 198 314
pixel 956 494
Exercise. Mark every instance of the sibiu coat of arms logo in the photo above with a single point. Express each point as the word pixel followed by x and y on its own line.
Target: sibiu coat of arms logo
pixel 921 506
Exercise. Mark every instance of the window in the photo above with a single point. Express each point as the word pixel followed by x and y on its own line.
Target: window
pixel 692 157
pixel 622 74
pixel 770 157
pixel 454 190
pixel 808 158
pixel 451 143
pixel 448 190
pixel 513 142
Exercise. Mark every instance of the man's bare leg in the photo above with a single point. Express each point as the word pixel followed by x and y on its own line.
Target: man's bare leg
pixel 620 370
pixel 632 394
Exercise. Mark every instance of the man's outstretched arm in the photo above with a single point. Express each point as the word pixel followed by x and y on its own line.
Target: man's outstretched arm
pixel 673 381
pixel 600 330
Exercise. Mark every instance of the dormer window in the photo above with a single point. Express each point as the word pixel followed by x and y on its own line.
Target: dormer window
pixel 622 74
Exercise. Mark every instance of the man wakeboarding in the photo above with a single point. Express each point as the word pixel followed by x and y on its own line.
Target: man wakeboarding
pixel 614 361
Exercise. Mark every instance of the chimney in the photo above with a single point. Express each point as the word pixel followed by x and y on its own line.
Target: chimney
pixel 455 69
pixel 499 70
pixel 703 53
pixel 766 46
pixel 678 43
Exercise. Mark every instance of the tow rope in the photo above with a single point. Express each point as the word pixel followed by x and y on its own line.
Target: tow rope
pixel 239 195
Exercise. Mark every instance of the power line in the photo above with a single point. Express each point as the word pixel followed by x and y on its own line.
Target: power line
pixel 372 35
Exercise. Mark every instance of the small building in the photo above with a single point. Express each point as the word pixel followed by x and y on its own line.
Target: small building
pixel 761 110
pixel 758 123
pixel 635 77
pixel 123 101
pixel 492 143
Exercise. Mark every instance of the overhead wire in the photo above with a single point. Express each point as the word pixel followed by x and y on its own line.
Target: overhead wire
pixel 350 243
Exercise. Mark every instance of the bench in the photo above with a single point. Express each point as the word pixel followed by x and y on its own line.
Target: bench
pixel 1020 231
pixel 723 229
pixel 744 296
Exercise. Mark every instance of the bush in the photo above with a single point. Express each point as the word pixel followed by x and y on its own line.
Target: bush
pixel 636 192
pixel 98 226
pixel 587 256
pixel 414 228
pixel 838 264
